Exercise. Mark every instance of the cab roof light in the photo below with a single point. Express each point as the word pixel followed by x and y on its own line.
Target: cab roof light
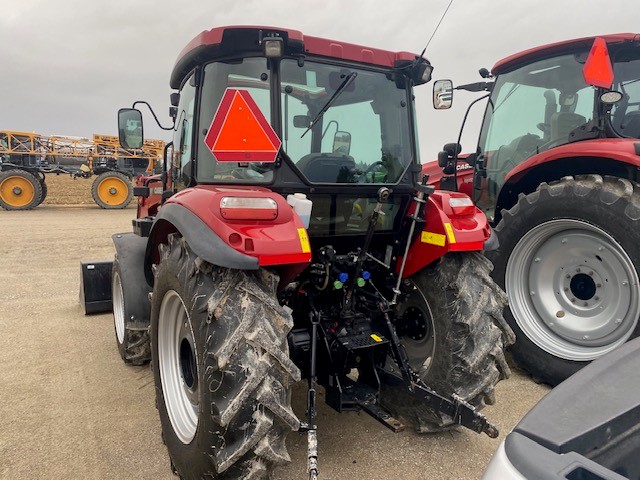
pixel 248 208
pixel 273 47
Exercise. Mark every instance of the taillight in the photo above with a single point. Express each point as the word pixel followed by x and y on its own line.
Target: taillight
pixel 248 208
pixel 462 205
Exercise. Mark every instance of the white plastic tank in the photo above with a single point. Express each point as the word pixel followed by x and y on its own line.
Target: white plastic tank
pixel 302 206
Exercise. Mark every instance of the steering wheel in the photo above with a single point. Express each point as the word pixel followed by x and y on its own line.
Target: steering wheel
pixel 362 178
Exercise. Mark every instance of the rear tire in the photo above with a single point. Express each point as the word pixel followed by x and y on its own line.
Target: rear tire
pixel 454 334
pixel 112 190
pixel 221 367
pixel 569 256
pixel 19 190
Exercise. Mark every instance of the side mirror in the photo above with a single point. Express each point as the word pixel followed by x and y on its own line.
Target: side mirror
pixel 342 143
pixel 130 132
pixel 442 94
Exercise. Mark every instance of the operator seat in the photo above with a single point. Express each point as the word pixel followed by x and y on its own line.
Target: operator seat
pixel 563 123
pixel 631 124
pixel 327 167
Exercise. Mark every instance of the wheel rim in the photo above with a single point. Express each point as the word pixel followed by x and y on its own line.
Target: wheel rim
pixel 415 329
pixel 118 307
pixel 113 191
pixel 177 365
pixel 572 289
pixel 17 191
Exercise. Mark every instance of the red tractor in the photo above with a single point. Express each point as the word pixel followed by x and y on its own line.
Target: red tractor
pixel 556 170
pixel 290 238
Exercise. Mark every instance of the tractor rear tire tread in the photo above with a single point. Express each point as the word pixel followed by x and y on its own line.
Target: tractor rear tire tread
pixel 242 333
pixel 471 335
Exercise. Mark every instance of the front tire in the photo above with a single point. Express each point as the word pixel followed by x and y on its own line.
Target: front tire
pixel 453 331
pixel 132 332
pixel 568 260
pixel 221 367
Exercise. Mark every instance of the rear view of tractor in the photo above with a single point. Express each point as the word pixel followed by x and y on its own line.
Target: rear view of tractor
pixel 292 236
pixel 556 169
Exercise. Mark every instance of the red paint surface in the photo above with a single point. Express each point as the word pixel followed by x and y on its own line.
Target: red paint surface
pixel 470 233
pixel 543 50
pixel 312 46
pixel 275 242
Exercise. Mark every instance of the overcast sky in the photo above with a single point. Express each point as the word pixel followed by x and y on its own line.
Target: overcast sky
pixel 66 66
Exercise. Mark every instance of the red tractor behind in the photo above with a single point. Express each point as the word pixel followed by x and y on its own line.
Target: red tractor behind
pixel 290 238
pixel 557 171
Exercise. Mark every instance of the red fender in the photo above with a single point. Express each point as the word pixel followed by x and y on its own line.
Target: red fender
pixel 445 231
pixel 280 241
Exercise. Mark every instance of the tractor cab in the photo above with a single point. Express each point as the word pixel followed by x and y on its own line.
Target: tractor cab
pixel 346 123
pixel 553 96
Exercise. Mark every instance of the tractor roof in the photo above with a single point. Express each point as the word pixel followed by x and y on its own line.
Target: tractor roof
pixel 226 41
pixel 532 54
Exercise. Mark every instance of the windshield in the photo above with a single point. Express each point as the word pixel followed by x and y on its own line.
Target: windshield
pixel 363 135
pixel 530 110
pixel 252 75
pixel 625 115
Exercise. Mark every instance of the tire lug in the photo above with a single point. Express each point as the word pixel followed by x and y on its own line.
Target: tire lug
pixel 537 260
pixel 596 298
pixel 578 270
pixel 566 289
pixel 618 321
pixel 586 304
pixel 598 285
pixel 573 300
pixel 625 283
pixel 585 337
pixel 567 276
pixel 563 241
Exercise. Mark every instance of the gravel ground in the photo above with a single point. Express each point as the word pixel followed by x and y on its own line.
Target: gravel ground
pixel 70 408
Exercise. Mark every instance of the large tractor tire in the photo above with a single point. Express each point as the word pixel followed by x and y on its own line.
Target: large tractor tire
pixel 111 190
pixel 132 331
pixel 568 260
pixel 19 190
pixel 221 367
pixel 452 327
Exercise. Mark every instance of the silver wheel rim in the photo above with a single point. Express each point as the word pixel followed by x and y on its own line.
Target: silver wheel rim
pixel 572 289
pixel 178 373
pixel 118 307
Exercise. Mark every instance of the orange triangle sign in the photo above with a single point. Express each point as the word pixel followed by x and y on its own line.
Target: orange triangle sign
pixel 239 131
pixel 597 70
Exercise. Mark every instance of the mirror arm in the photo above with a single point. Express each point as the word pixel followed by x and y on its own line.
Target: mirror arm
pixel 152 113
pixel 455 157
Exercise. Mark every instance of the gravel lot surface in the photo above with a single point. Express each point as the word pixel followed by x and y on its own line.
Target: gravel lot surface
pixel 70 408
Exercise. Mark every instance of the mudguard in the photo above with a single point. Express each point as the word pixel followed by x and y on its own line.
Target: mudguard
pixel 202 240
pixel 444 231
pixel 130 253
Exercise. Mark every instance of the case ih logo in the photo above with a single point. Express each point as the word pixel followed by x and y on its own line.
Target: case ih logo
pixel 239 132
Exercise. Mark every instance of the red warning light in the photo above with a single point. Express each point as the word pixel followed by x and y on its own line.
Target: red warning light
pixel 239 132
pixel 597 70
